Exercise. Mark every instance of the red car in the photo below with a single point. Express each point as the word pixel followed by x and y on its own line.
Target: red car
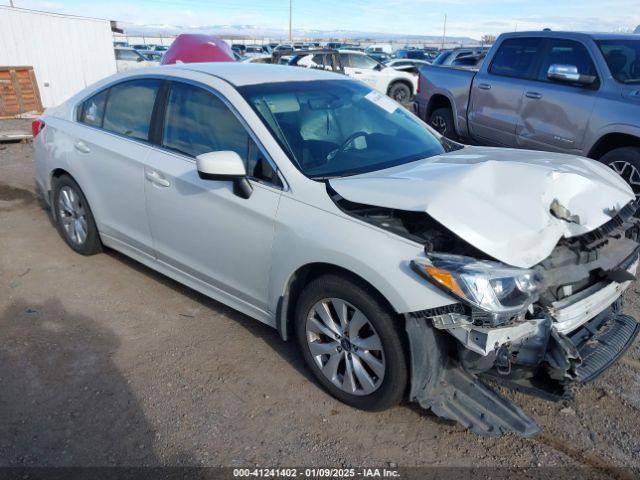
pixel 193 48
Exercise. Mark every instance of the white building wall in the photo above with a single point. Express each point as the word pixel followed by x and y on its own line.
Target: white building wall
pixel 67 53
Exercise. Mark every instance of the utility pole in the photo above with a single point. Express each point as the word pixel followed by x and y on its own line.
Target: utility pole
pixel 444 31
pixel 11 3
pixel 290 11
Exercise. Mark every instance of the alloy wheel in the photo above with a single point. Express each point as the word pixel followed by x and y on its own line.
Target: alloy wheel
pixel 440 124
pixel 345 346
pixel 400 96
pixel 629 173
pixel 72 214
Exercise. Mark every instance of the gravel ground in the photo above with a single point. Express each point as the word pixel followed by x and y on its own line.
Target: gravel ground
pixel 105 362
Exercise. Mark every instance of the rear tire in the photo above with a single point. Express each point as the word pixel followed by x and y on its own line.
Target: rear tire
pixel 400 92
pixel 625 161
pixel 441 120
pixel 365 366
pixel 74 219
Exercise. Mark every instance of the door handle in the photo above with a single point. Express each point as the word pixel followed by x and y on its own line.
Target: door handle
pixel 157 179
pixel 534 95
pixel 484 86
pixel 81 147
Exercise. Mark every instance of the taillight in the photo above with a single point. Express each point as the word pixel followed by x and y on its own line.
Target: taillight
pixel 36 127
pixel 418 87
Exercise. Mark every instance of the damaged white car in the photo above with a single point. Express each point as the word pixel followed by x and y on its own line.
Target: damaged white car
pixel 400 261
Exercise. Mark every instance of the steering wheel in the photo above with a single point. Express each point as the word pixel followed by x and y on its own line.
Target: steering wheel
pixel 343 148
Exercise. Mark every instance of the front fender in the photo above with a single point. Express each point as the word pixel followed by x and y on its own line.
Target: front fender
pixel 307 235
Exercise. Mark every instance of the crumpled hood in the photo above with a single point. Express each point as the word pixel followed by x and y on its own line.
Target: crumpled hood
pixel 498 200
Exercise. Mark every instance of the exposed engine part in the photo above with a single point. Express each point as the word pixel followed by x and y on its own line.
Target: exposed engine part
pixel 484 340
pixel 569 269
pixel 416 226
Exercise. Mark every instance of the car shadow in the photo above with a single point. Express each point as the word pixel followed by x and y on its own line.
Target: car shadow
pixel 269 335
pixel 287 350
pixel 64 402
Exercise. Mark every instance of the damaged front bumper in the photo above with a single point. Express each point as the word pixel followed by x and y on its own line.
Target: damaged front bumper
pixel 567 341
pixel 454 392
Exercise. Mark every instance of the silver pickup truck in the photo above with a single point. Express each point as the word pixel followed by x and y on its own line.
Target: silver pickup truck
pixel 573 93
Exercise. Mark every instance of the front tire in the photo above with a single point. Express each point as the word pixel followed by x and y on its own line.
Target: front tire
pixel 625 162
pixel 74 220
pixel 349 339
pixel 441 120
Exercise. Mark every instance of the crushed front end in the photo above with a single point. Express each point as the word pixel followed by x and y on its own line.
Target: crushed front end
pixel 538 330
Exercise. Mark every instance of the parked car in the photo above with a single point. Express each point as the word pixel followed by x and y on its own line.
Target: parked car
pixel 573 93
pixel 283 47
pixel 160 48
pixel 410 53
pixel 239 48
pixel 252 50
pixel 380 57
pixel 400 86
pixel 257 59
pixel 398 260
pixel 379 48
pixel 152 55
pixel 469 61
pixel 447 57
pixel 195 48
pixel 140 46
pixel 129 58
pixel 431 53
pixel 406 65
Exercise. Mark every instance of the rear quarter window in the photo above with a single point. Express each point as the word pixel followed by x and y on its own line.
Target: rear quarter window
pixel 91 111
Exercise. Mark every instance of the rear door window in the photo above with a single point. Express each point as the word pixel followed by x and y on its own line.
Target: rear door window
pixel 129 108
pixel 517 57
pixel 363 61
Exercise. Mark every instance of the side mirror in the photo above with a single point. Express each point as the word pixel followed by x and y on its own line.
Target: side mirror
pixel 140 59
pixel 225 165
pixel 569 74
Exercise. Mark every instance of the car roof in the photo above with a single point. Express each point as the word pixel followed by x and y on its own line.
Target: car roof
pixel 574 35
pixel 346 50
pixel 240 73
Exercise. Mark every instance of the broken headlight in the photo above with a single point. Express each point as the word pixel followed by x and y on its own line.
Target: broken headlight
pixel 499 291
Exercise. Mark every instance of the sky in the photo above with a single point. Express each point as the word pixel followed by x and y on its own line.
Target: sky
pixel 472 18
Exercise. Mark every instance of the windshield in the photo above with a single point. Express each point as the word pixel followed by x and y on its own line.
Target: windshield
pixel 334 128
pixel 623 59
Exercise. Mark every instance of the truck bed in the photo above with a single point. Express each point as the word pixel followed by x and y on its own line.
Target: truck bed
pixel 453 83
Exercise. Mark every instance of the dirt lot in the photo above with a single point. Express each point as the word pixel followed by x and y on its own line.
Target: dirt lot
pixel 104 362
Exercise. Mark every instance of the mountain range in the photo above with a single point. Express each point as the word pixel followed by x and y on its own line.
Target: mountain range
pixel 252 31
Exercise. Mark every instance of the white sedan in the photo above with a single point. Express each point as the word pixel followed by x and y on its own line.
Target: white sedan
pixel 400 86
pixel 399 260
